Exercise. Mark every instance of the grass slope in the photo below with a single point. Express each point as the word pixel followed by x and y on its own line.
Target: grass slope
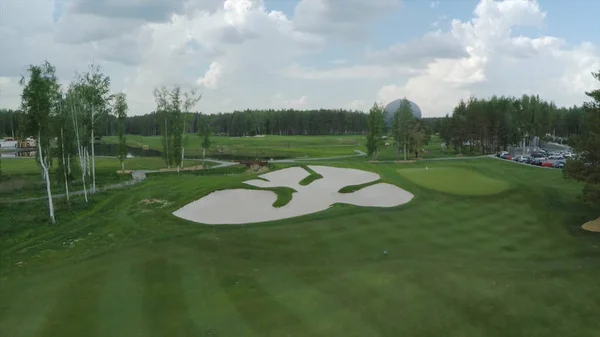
pixel 511 264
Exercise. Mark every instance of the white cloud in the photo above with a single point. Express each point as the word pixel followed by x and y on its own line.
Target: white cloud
pixel 434 4
pixel 212 76
pixel 241 52
pixel 279 102
pixel 357 104
pixel 500 63
pixel 346 19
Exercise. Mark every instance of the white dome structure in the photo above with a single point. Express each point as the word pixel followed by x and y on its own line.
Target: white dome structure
pixel 393 106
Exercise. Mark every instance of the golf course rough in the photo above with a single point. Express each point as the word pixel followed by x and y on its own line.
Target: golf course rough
pixel 241 206
pixel 453 180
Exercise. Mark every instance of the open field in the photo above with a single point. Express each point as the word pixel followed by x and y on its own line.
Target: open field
pixel 265 147
pixel 514 263
pixel 271 146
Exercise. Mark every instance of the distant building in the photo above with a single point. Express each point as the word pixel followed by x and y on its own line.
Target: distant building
pixel 8 143
pixel 393 106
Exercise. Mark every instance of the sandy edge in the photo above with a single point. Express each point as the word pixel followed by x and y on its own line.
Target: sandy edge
pixel 592 226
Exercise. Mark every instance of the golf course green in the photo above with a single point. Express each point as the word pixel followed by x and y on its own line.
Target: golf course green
pixel 454 180
pixel 485 248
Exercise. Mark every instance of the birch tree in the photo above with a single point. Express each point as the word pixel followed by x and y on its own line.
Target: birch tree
pixel 176 125
pixel 120 111
pixel 96 97
pixel 66 147
pixel 75 110
pixel 38 102
pixel 190 99
pixel 161 97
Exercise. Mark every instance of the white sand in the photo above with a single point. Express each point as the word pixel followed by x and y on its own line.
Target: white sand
pixel 241 206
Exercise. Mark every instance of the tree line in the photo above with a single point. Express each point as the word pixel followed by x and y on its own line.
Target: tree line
pixel 489 125
pixel 63 122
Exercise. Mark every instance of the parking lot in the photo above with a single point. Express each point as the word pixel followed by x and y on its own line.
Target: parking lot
pixel 547 157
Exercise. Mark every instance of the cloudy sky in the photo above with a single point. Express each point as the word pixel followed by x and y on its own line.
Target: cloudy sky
pixel 309 53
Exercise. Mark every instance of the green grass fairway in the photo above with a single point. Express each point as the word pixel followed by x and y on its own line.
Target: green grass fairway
pixel 454 180
pixel 264 147
pixel 511 264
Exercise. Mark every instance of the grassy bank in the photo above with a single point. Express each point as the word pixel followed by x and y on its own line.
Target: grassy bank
pixel 22 176
pixel 511 262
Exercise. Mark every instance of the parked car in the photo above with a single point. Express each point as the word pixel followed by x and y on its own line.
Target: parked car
pixel 509 157
pixel 556 156
pixel 504 155
pixel 559 164
pixel 547 164
pixel 537 161
pixel 520 158
pixel 501 153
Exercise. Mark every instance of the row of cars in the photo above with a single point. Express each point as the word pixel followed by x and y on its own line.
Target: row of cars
pixel 541 158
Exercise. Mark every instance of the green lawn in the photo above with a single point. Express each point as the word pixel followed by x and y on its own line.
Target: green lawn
pixel 22 176
pixel 265 147
pixel 454 180
pixel 271 146
pixel 514 263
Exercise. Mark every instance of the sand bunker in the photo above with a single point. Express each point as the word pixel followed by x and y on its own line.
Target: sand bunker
pixel 241 206
pixel 592 226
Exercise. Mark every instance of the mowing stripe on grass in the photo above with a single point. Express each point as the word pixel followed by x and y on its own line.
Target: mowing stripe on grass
pixel 121 317
pixel 23 311
pixel 259 309
pixel 165 309
pixel 208 304
pixel 75 310
pixel 327 316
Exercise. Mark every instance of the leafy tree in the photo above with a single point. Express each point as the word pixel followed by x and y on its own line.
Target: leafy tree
pixel 403 126
pixel 586 166
pixel 376 127
pixel 206 143
pixel 96 98
pixel 75 106
pixel 39 104
pixel 190 99
pixel 161 96
pixel 120 111
pixel 65 144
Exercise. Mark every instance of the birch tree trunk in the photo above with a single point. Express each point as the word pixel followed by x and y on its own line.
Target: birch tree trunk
pixel 80 153
pixel 93 164
pixel 45 170
pixel 82 164
pixel 182 142
pixel 62 145
pixel 167 145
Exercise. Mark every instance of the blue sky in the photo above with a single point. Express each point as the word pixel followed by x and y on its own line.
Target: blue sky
pixel 246 56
